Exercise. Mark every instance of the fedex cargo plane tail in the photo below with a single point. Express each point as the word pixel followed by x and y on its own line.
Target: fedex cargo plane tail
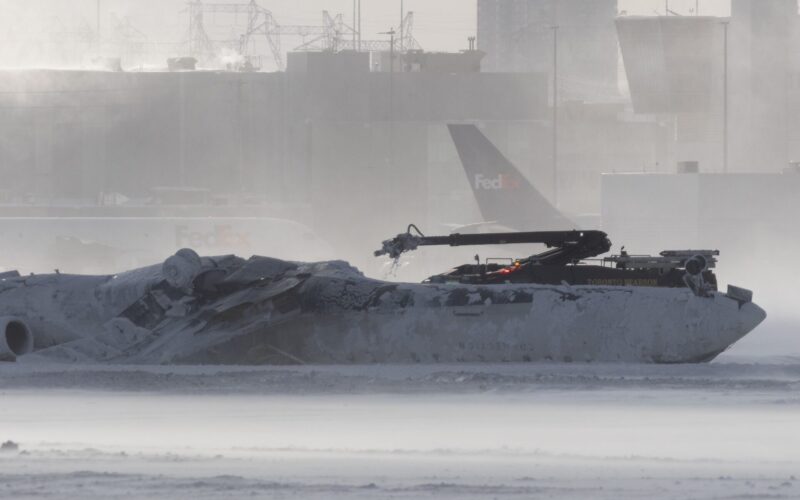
pixel 503 194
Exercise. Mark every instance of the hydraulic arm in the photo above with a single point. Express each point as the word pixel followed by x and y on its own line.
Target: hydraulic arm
pixel 565 246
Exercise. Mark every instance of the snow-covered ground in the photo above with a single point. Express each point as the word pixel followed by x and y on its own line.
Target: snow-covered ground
pixel 726 430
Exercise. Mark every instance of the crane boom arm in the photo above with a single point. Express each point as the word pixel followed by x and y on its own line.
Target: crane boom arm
pixel 566 246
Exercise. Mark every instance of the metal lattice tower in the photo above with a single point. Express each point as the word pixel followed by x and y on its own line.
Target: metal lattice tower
pixel 332 35
pixel 261 23
pixel 199 44
pixel 401 45
pixel 327 37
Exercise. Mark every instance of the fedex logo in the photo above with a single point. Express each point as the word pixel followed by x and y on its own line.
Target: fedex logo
pixel 502 181
pixel 221 236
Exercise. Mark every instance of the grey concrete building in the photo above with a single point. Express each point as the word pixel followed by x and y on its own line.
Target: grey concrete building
pixel 764 101
pixel 346 150
pixel 517 36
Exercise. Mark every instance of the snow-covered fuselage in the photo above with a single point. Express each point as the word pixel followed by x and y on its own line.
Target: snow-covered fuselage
pixel 267 311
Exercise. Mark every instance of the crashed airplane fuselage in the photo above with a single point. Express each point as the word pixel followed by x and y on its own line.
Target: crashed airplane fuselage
pixel 268 311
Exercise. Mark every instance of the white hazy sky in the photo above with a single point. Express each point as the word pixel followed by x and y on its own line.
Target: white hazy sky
pixel 439 24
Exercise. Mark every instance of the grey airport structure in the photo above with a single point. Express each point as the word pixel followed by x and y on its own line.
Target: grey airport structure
pixel 351 149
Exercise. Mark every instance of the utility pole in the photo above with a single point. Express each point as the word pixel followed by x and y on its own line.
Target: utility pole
pixel 391 34
pixel 555 115
pixel 391 92
pixel 725 26
pixel 182 129
pixel 241 134
pixel 401 25
pixel 355 20
pixel 359 25
pixel 97 24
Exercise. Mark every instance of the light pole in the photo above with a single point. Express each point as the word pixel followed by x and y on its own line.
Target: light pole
pixel 391 34
pixel 555 115
pixel 401 25
pixel 97 25
pixel 725 99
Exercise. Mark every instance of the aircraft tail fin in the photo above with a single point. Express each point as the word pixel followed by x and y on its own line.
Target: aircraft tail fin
pixel 502 192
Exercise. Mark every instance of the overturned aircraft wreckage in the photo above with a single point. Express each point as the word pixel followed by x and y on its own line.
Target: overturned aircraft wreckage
pixel 550 306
